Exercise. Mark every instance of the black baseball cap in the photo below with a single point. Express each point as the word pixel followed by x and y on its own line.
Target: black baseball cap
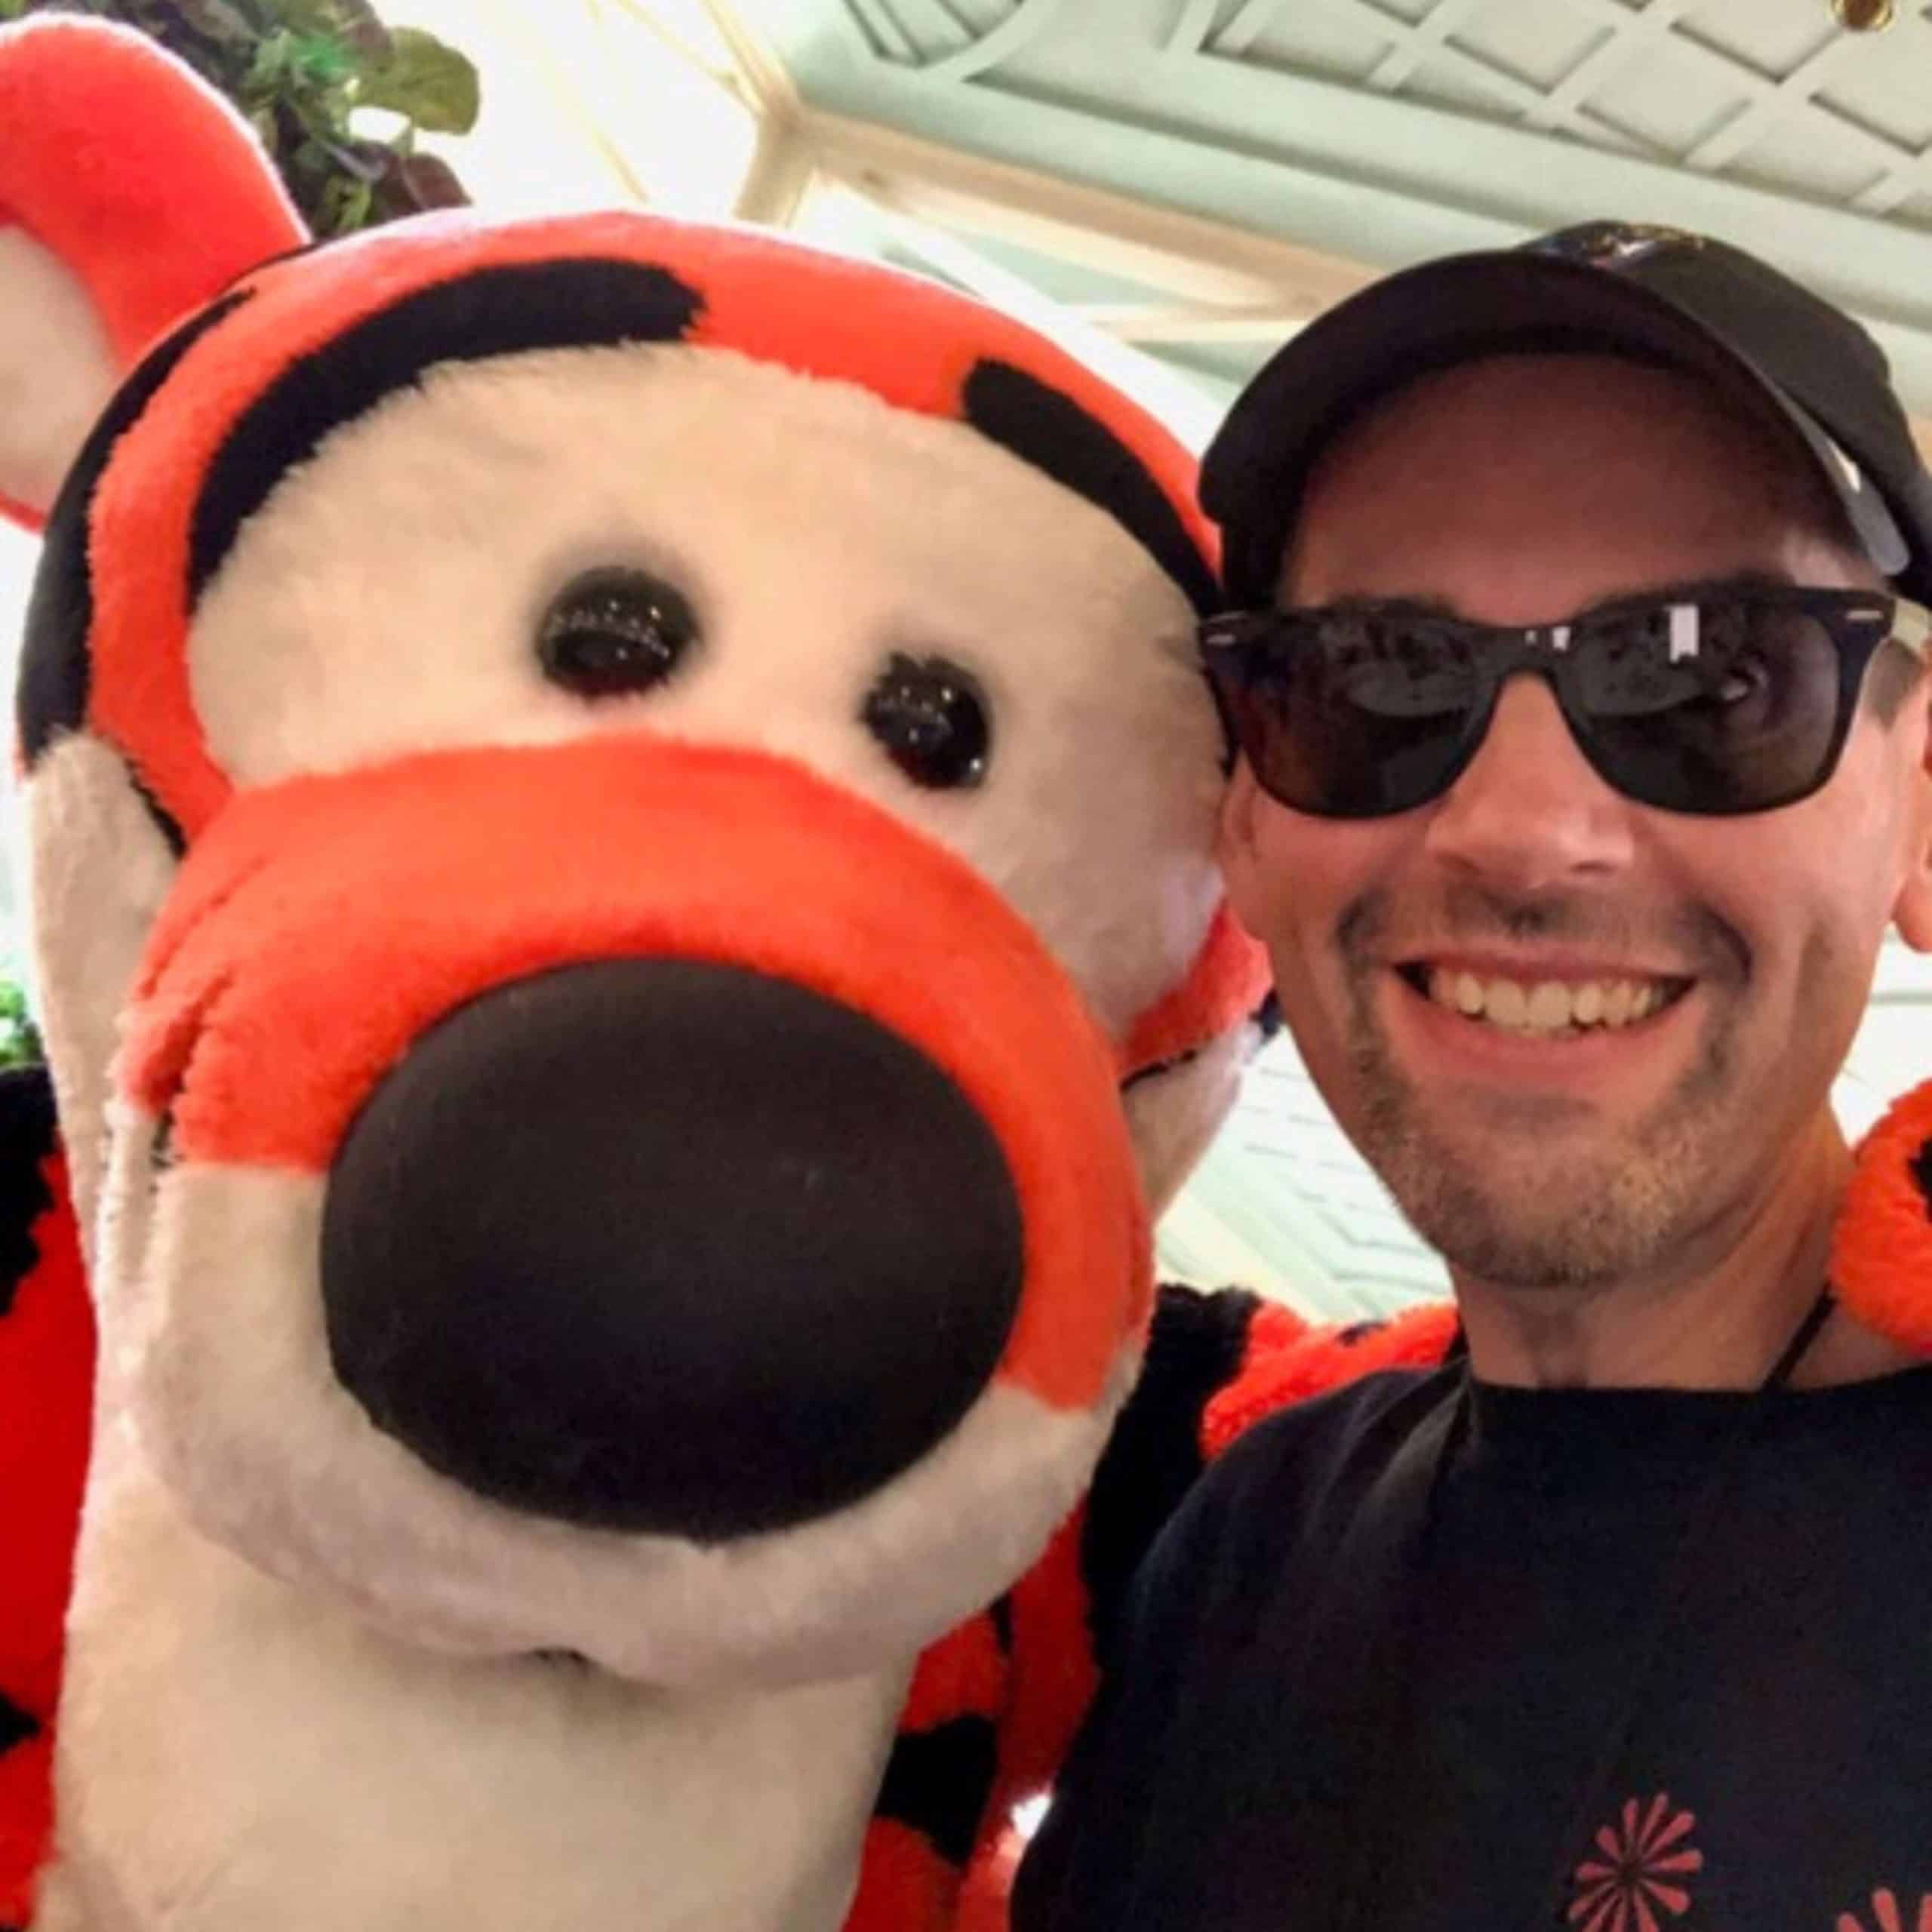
pixel 1656 295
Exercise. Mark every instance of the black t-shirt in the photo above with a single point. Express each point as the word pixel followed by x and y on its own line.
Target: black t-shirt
pixel 1256 1760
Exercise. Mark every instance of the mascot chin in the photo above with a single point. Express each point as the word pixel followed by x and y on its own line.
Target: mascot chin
pixel 621 821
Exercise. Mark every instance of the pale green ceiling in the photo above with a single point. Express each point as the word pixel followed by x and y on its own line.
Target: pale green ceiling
pixel 1377 132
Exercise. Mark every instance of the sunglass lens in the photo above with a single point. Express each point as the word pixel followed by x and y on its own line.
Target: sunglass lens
pixel 1353 716
pixel 1708 708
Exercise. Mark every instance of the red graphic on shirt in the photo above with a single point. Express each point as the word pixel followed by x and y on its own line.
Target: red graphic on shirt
pixel 1886 1916
pixel 1634 1884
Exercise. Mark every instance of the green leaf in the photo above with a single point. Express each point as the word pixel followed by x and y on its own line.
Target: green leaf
pixel 320 59
pixel 360 160
pixel 346 205
pixel 431 82
pixel 217 19
pixel 20 1039
pixel 311 16
pixel 271 61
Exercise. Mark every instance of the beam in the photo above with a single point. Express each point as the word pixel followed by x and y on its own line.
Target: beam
pixel 767 79
pixel 781 173
pixel 1193 257
pixel 1186 321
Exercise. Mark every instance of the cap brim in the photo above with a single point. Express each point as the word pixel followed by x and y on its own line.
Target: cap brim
pixel 1462 310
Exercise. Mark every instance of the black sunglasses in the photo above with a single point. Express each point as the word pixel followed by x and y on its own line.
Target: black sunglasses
pixel 1712 703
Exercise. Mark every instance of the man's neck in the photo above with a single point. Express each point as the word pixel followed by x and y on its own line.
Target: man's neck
pixel 1718 1317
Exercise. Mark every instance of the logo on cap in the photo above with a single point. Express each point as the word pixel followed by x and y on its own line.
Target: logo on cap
pixel 1615 245
pixel 1854 477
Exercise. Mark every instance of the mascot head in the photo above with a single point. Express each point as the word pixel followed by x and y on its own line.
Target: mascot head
pixel 621 820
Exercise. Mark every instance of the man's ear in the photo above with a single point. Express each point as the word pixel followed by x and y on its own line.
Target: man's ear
pixel 1914 914
pixel 1235 839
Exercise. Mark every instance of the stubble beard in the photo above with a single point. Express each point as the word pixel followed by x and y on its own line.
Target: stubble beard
pixel 1529 1194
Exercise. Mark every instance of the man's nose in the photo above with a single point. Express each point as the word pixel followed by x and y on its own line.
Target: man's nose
pixel 1530 812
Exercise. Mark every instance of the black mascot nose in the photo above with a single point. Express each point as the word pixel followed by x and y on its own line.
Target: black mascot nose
pixel 670 1246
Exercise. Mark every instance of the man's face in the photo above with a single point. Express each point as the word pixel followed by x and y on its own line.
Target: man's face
pixel 1521 490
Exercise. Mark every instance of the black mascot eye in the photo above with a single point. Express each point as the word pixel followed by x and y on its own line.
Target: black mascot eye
pixel 613 632
pixel 931 718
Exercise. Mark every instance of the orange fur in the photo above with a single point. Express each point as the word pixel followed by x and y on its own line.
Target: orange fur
pixel 147 184
pixel 26 1824
pixel 1228 981
pixel 46 1378
pixel 260 961
pixel 1882 1260
pixel 12 510
pixel 1053 1675
pixel 1288 1362
pixel 983 1898
pixel 904 1884
pixel 963 1675
pixel 763 296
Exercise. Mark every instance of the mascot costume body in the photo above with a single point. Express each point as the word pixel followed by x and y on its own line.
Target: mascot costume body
pixel 619 820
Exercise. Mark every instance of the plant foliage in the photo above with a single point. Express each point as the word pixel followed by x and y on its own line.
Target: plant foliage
pixel 20 1039
pixel 301 70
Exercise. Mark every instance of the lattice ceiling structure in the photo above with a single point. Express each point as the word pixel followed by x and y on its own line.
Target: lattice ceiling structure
pixel 1350 135
pixel 1778 96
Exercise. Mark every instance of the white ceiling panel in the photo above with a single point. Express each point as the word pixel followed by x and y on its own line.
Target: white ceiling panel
pixel 1890 99
pixel 1344 43
pixel 1773 36
pixel 1542 45
pixel 1811 154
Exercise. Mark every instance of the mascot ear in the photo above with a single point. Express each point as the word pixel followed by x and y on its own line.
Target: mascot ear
pixel 130 193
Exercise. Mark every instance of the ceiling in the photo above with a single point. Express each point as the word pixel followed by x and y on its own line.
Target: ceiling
pixel 1329 140
pixel 1171 186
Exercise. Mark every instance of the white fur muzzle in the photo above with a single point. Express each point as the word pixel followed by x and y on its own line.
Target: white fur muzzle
pixel 217 1298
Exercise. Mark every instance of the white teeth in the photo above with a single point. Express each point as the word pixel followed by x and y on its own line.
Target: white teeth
pixel 1551 1006
pixel 1507 1004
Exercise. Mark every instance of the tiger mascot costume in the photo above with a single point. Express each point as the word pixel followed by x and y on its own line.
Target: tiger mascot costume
pixel 620 821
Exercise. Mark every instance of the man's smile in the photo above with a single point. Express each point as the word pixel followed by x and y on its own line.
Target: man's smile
pixel 1595 1033
pixel 1549 1002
